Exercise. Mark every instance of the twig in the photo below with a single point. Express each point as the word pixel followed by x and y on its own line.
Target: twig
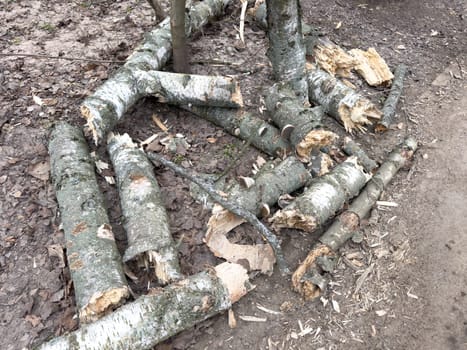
pixel 239 211
pixel 227 170
pixel 67 58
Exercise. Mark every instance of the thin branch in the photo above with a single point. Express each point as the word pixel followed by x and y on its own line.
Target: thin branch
pixel 67 58
pixel 239 211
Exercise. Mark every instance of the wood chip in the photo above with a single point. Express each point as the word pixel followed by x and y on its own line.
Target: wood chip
pixel 159 123
pixel 335 306
pixel 381 313
pixel 232 319
pixel 262 308
pixel 253 319
pixel 387 204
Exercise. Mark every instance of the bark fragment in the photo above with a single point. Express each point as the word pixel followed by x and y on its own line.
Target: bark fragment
pixel 348 222
pixel 93 258
pixel 145 219
pixel 246 126
pixel 323 198
pixel 269 184
pixel 162 313
pixel 340 101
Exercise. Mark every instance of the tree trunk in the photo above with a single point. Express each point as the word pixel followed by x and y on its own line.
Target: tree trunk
pixel 145 219
pixel 92 255
pixel 162 313
pixel 177 28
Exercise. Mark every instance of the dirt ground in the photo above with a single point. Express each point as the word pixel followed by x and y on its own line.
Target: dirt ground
pixel 410 268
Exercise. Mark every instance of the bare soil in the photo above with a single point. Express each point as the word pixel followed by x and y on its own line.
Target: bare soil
pixel 411 267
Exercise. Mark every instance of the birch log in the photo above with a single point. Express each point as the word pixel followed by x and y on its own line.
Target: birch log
pixel 351 148
pixel 173 88
pixel 322 198
pixel 145 219
pixel 286 49
pixel 298 124
pixel 305 277
pixel 246 126
pixel 268 186
pixel 92 255
pixel 389 108
pixel 120 92
pixel 162 313
pixel 340 101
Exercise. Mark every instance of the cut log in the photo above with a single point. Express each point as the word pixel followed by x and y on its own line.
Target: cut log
pixel 286 49
pixel 348 222
pixel 152 54
pixel 162 313
pixel 246 126
pixel 106 107
pixel 298 124
pixel 92 254
pixel 371 66
pixel 145 219
pixel 269 184
pixel 332 58
pixel 323 198
pixel 389 108
pixel 340 101
pixel 239 211
pixel 351 148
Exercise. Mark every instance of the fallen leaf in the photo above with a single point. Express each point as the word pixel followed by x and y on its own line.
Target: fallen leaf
pixel 211 139
pixel 37 100
pixel 33 320
pixel 40 170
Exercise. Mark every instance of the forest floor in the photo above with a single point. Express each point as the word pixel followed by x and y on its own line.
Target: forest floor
pixel 413 257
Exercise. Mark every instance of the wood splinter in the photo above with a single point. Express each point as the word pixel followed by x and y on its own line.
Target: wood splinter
pixel 145 218
pixel 348 222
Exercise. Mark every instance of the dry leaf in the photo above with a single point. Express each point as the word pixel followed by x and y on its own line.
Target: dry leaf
pixel 33 320
pixel 40 170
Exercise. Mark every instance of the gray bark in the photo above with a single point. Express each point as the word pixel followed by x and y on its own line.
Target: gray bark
pixel 92 254
pixel 177 27
pixel 145 219
pixel 351 148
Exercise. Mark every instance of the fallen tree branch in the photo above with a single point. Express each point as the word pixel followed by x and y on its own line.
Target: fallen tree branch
pixel 145 219
pixel 323 198
pixel 353 149
pixel 389 108
pixel 92 254
pixel 162 313
pixel 305 277
pixel 105 108
pixel 272 181
pixel 340 101
pixel 246 126
pixel 152 54
pixel 245 214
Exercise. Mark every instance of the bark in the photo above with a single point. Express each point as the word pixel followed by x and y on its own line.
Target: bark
pixel 269 185
pixel 145 219
pixel 389 108
pixel 162 313
pixel 286 49
pixel 246 126
pixel 152 54
pixel 173 88
pixel 92 255
pixel 348 222
pixel 177 29
pixel 297 123
pixel 353 149
pixel 340 101
pixel 239 211
pixel 159 11
pixel 323 198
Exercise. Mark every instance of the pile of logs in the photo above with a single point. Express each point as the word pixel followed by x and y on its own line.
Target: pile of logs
pixel 304 159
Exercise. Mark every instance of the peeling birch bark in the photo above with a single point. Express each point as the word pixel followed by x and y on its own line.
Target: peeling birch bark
pixel 92 254
pixel 340 101
pixel 162 313
pixel 246 126
pixel 145 218
pixel 304 279
pixel 102 114
pixel 286 49
pixel 271 183
pixel 353 149
pixel 323 198
pixel 152 54
pixel 371 66
pixel 389 108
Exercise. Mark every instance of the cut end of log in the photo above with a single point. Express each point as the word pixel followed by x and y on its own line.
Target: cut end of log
pixel 356 115
pixel 86 113
pixel 321 164
pixel 372 67
pixel 314 140
pixel 235 279
pixel 287 131
pixel 237 95
pixel 102 303
pixel 293 219
pixel 333 59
